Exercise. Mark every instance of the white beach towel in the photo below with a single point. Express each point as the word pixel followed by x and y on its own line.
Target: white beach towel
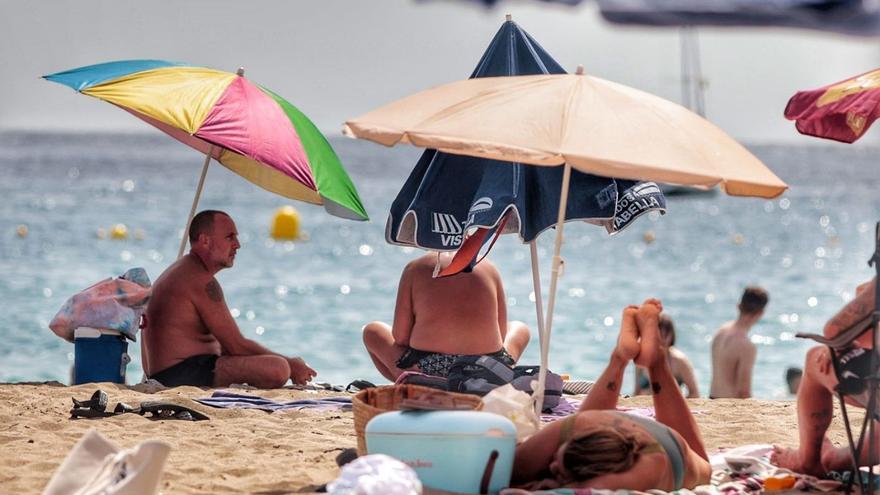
pixel 97 467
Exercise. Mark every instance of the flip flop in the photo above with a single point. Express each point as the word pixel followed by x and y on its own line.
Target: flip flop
pixel 98 401
pixel 167 410
pixel 358 385
pixel 94 407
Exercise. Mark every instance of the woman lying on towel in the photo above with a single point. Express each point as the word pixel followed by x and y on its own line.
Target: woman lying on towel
pixel 599 447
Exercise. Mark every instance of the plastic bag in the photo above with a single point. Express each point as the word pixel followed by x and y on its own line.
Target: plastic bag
pixel 516 406
pixel 112 304
pixel 376 474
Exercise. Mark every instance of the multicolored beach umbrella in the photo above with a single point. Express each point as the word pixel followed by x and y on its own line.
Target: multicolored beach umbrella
pixel 244 126
pixel 842 111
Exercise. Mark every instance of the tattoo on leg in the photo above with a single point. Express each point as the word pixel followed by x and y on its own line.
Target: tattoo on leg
pixel 655 387
pixel 215 293
pixel 821 414
pixel 612 386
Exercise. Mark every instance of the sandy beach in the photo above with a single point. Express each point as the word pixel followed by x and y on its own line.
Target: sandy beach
pixel 250 451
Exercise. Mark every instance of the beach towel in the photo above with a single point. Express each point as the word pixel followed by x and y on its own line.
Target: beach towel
pixel 225 399
pixel 97 467
pixel 111 304
pixel 744 470
pixel 568 405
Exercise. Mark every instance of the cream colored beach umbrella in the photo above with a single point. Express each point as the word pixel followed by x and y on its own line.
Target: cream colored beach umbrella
pixel 596 126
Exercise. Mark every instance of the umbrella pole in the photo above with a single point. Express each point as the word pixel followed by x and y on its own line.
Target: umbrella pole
pixel 192 211
pixel 551 300
pixel 539 300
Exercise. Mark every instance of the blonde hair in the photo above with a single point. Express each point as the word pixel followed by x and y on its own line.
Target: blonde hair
pixel 602 450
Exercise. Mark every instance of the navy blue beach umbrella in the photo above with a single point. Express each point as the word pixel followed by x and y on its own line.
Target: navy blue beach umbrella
pixel 447 195
pixel 454 202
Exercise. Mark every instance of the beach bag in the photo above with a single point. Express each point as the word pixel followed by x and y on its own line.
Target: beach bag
pixel 525 375
pixel 478 374
pixel 422 379
pixel 97 467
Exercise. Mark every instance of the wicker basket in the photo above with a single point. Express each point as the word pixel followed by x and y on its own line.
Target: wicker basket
pixel 376 400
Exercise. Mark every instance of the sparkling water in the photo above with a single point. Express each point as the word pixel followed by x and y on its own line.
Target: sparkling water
pixel 312 297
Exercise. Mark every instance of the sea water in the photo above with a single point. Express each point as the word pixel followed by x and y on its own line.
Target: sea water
pixel 311 298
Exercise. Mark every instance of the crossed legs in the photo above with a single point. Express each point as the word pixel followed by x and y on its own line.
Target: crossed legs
pixel 385 352
pixel 640 341
pixel 262 371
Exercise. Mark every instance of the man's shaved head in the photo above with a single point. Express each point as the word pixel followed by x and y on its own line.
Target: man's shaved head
pixel 202 223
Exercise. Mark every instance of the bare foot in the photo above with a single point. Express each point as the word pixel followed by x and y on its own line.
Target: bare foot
pixel 835 458
pixel 652 346
pixel 628 340
pixel 791 459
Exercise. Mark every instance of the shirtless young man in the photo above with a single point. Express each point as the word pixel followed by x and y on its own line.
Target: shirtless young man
pixel 190 338
pixel 816 454
pixel 733 354
pixel 599 447
pixel 437 319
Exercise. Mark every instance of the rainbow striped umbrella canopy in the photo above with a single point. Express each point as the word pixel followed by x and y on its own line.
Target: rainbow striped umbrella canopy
pixel 244 126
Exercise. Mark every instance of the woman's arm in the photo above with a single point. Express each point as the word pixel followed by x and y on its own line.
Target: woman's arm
pixel 682 368
pixel 647 474
pixel 533 457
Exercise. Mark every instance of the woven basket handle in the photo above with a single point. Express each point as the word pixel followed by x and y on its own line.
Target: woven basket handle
pixel 435 400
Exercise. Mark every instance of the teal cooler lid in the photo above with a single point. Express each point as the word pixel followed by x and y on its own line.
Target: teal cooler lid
pixel 475 423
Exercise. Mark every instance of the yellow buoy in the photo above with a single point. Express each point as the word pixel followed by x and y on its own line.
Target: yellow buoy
pixel 21 230
pixel 739 239
pixel 649 237
pixel 285 225
pixel 119 231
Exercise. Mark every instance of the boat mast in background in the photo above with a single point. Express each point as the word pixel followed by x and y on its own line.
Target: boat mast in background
pixel 693 87
pixel 692 82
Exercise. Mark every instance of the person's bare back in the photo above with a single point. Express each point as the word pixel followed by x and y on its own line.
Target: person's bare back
pixel 733 353
pixel 733 357
pixel 437 319
pixel 455 315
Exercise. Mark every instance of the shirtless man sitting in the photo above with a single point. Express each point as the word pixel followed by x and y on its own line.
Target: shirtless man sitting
pixel 733 353
pixel 816 454
pixel 190 337
pixel 438 319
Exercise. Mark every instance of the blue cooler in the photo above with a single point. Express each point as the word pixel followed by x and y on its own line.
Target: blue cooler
pixel 99 356
pixel 456 451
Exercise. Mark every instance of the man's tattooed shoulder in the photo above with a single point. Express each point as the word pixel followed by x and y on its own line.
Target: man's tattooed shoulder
pixel 215 293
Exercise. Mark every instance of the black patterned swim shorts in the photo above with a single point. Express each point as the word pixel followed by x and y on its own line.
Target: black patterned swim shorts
pixel 439 364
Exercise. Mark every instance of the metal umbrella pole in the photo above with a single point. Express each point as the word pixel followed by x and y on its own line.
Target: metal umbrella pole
pixel 192 211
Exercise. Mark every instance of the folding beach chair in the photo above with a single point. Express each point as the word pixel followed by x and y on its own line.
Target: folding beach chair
pixel 839 346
